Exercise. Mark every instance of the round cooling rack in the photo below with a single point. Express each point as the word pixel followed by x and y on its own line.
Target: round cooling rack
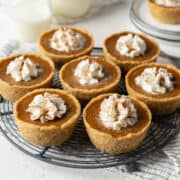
pixel 78 152
pixel 141 17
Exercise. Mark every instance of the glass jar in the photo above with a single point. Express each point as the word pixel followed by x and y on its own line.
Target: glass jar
pixel 70 8
pixel 29 18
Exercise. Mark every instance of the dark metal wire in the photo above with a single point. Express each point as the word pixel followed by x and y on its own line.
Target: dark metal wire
pixel 78 152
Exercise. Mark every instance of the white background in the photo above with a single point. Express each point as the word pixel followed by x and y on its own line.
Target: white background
pixel 14 165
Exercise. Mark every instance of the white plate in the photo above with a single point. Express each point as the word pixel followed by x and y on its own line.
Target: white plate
pixel 141 17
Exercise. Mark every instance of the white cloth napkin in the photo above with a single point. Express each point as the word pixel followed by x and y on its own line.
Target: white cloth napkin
pixel 161 165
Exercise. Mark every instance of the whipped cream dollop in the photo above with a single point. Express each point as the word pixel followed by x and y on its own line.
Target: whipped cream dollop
pixel 168 3
pixel 89 72
pixel 155 81
pixel 46 107
pixel 131 45
pixel 118 112
pixel 66 40
pixel 23 69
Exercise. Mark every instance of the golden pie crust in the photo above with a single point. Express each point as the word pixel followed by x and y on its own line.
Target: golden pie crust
pixel 52 132
pixel 12 90
pixel 159 104
pixel 111 141
pixel 71 83
pixel 62 57
pixel 163 14
pixel 126 63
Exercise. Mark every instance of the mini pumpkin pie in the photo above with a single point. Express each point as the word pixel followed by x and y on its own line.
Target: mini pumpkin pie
pixel 158 85
pixel 65 43
pixel 129 49
pixel 47 117
pixel 89 76
pixel 116 123
pixel 165 11
pixel 22 73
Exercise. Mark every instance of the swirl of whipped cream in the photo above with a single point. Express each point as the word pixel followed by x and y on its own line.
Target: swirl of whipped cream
pixel 168 3
pixel 117 112
pixel 46 107
pixel 89 73
pixel 66 40
pixel 23 69
pixel 155 81
pixel 131 45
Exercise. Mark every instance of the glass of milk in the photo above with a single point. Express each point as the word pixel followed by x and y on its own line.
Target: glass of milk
pixel 29 18
pixel 70 8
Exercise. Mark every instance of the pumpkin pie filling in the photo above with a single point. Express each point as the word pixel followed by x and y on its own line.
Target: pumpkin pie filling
pixel 110 44
pixel 116 123
pixel 25 116
pixel 45 42
pixel 168 94
pixel 89 76
pixel 43 65
pixel 163 91
pixel 109 71
pixel 65 43
pixel 47 117
pixel 92 117
pixel 22 73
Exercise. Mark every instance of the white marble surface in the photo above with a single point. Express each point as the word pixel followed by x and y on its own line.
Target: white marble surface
pixel 14 165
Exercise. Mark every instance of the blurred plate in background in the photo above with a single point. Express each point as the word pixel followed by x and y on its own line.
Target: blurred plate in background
pixel 143 20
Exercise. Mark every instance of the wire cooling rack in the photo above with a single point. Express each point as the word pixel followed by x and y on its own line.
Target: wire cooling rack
pixel 78 152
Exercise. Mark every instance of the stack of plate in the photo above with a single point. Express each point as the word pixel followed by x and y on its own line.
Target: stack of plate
pixel 143 20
